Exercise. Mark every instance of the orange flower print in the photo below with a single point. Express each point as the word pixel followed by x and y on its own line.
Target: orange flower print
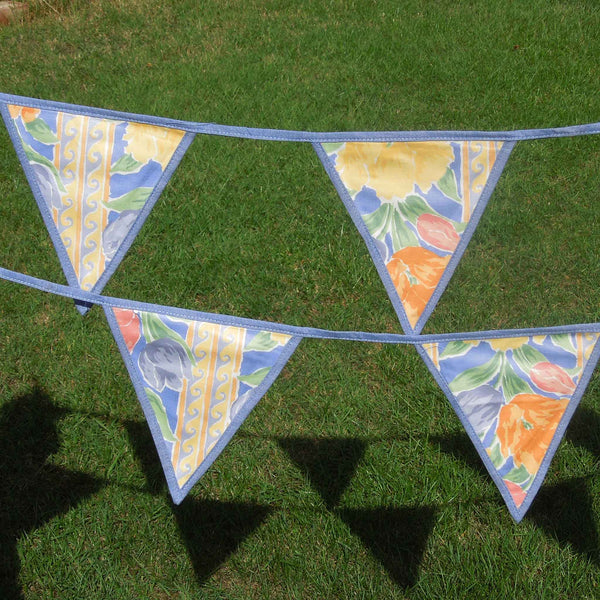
pixel 393 169
pixel 26 113
pixel 415 272
pixel 526 426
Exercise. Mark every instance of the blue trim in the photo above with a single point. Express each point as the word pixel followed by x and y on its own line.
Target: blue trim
pixel 163 453
pixel 292 330
pixel 63 257
pixel 179 493
pixel 61 251
pixel 517 512
pixel 141 218
pixel 255 395
pixel 467 234
pixel 286 135
pixel 366 236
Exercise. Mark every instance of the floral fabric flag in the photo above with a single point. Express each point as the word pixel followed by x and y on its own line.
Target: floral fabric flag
pixel 197 381
pixel 515 396
pixel 416 204
pixel 95 180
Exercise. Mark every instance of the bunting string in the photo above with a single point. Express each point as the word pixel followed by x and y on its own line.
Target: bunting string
pixel 415 198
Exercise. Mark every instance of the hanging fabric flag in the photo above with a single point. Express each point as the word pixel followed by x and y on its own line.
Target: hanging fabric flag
pixel 197 381
pixel 416 204
pixel 95 180
pixel 515 397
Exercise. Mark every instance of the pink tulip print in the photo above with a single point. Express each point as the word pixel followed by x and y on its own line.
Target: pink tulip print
pixel 437 232
pixel 129 324
pixel 552 378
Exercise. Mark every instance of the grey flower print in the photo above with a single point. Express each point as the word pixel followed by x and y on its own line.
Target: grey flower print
pixel 115 233
pixel 481 406
pixel 165 362
pixel 48 185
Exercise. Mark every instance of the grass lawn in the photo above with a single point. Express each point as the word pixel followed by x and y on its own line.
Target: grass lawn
pixel 353 477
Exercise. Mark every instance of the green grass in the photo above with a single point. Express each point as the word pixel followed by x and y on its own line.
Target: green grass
pixel 352 478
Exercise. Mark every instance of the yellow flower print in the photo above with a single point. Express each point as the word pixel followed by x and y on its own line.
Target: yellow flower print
pixel 149 142
pixel 505 344
pixel 281 338
pixel 393 170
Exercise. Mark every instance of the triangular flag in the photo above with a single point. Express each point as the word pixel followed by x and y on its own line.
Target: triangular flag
pixel 416 204
pixel 515 397
pixel 197 381
pixel 95 180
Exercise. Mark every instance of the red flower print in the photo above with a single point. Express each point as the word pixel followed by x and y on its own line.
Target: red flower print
pixel 129 324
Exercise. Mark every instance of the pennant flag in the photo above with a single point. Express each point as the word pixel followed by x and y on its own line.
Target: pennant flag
pixel 515 396
pixel 95 181
pixel 416 204
pixel 197 381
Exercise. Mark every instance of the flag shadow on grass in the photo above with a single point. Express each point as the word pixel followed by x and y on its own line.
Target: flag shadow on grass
pixel 564 510
pixel 31 491
pixel 211 530
pixel 396 536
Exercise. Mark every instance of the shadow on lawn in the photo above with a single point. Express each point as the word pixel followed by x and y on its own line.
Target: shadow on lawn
pixel 564 510
pixel 31 491
pixel 211 530
pixel 396 536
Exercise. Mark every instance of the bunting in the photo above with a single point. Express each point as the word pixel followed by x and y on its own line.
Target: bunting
pixel 197 382
pixel 416 199
pixel 416 204
pixel 95 181
pixel 515 396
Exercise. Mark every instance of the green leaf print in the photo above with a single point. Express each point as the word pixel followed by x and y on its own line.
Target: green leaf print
pixel 33 156
pixel 41 132
pixel 564 341
pixel 262 342
pixel 519 475
pixel 511 383
pixel 495 454
pixel 377 221
pixel 447 185
pixel 476 376
pixel 161 415
pixel 332 147
pixel 412 207
pixel 526 357
pixel 402 235
pixel 455 348
pixel 133 200
pixel 255 378
pixel 154 329
pixel 126 164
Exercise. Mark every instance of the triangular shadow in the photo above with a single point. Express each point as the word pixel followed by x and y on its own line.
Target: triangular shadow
pixel 565 512
pixel 584 430
pixel 212 531
pixel 31 492
pixel 329 464
pixel 397 537
pixel 145 450
pixel 460 446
